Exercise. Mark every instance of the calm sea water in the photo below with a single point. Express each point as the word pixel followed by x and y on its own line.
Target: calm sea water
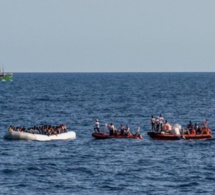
pixel 89 166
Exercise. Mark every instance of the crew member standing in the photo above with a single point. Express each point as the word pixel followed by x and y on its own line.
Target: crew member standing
pixel 153 123
pixel 96 128
pixel 161 119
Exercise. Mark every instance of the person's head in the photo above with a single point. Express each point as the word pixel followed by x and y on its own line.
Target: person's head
pixel 160 115
pixel 152 116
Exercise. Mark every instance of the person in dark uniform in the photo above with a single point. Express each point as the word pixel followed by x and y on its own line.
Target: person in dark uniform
pixel 153 123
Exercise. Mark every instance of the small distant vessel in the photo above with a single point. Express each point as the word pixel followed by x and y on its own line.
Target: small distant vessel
pixel 16 135
pixel 170 133
pixel 5 76
pixel 205 134
pixel 160 136
pixel 105 136
pixel 192 135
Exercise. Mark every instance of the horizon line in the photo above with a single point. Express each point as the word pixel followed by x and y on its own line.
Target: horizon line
pixel 114 72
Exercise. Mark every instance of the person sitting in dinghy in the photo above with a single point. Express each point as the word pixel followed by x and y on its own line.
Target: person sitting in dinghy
pixel 197 129
pixel 11 128
pixel 111 129
pixel 115 131
pixel 190 125
pixel 137 134
pixel 127 131
pixel 205 129
pixel 122 130
pixel 64 128
pixel 189 128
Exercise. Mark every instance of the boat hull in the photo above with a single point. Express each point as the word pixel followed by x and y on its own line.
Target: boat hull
pixel 38 137
pixel 197 137
pixel 159 136
pixel 104 136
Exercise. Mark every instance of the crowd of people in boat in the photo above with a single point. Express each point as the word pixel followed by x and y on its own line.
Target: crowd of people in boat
pixel 160 125
pixel 43 130
pixel 111 130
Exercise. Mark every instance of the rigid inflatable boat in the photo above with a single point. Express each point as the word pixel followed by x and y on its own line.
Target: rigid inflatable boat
pixel 196 137
pixel 160 136
pixel 170 133
pixel 11 134
pixel 105 136
pixel 204 133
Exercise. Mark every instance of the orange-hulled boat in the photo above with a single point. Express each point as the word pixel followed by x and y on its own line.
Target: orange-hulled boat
pixel 204 134
pixel 160 136
pixel 105 136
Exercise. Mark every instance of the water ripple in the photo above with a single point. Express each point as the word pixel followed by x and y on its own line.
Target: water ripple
pixel 86 165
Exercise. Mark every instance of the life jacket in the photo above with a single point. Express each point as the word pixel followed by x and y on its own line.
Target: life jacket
pixel 192 131
pixel 208 131
pixel 167 126
pixel 205 130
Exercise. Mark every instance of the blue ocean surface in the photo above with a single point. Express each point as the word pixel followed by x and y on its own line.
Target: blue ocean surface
pixel 112 166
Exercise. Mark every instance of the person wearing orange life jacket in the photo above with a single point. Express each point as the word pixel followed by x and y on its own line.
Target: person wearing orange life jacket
pixel 166 126
pixel 137 134
pixel 205 129
pixel 192 132
pixel 208 131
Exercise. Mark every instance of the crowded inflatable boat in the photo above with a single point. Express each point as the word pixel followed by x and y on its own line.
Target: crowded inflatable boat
pixel 40 133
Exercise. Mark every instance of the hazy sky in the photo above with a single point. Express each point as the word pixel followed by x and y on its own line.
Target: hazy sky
pixel 107 35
